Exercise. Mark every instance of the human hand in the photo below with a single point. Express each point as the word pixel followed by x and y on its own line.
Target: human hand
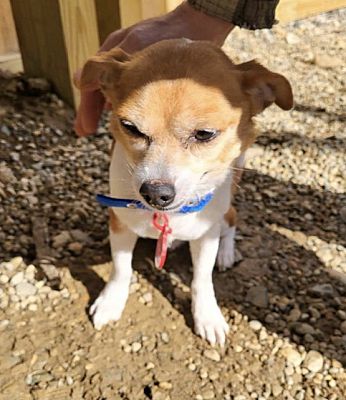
pixel 184 21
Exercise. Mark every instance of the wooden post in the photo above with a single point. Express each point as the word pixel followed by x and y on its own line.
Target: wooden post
pixel 57 36
pixel 108 17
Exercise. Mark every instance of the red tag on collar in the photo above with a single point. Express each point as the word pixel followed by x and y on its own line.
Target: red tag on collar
pixel 161 223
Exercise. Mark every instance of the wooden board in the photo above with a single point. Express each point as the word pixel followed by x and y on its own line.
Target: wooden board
pixel 108 17
pixel 79 26
pixel 290 10
pixel 55 39
pixel 11 62
pixel 8 37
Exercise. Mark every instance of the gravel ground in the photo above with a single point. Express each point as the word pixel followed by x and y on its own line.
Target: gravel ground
pixel 285 299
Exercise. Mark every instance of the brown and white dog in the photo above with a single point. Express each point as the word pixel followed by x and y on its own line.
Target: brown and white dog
pixel 182 121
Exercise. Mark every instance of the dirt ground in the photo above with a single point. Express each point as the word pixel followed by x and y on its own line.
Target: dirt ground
pixel 285 299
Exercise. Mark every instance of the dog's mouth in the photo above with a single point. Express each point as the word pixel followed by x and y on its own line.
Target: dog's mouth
pixel 172 209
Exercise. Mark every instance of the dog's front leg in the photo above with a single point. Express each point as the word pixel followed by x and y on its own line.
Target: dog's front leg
pixel 111 301
pixel 209 321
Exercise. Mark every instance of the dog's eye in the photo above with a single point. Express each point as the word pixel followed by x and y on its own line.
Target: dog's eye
pixel 132 128
pixel 204 135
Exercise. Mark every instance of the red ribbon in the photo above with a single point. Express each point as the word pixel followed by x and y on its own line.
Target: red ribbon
pixel 161 223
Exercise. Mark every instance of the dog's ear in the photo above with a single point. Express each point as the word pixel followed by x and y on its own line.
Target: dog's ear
pixel 265 87
pixel 103 70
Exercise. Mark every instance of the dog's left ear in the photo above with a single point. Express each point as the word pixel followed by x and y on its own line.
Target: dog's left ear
pixel 265 87
pixel 103 70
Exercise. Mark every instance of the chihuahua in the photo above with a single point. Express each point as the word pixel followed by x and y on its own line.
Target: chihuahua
pixel 182 120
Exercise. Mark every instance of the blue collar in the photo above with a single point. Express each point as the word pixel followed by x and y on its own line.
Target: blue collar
pixel 136 204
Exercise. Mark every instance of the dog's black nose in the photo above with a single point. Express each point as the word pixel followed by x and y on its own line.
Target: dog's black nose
pixel 157 193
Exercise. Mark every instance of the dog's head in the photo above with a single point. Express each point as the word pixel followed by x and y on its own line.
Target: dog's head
pixel 182 111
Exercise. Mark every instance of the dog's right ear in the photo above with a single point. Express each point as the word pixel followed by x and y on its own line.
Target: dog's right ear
pixel 103 70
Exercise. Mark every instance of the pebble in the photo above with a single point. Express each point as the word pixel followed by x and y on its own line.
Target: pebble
pixel 313 361
pixel 75 247
pixel 17 278
pixel 291 38
pixel 61 239
pixel 135 347
pixel 4 279
pixel 165 337
pixel 303 328
pixel 343 327
pixel 147 297
pixel 192 367
pixel 25 289
pixel 6 175
pixel 258 296
pixel 212 354
pixel 293 357
pixel 255 325
pixel 321 290
pixel 16 262
pixel 149 365
pixel 208 395
pixel 165 385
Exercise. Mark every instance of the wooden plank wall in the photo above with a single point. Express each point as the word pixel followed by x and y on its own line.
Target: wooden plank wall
pixel 9 50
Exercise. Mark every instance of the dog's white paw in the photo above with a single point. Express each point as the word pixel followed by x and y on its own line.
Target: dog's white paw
pixel 226 252
pixel 108 306
pixel 210 324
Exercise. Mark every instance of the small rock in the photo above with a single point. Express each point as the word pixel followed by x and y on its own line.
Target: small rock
pixel 69 380
pixel 80 236
pixel 75 247
pixel 208 395
pixel 293 357
pixel 4 278
pixel 165 385
pixel 4 324
pixel 16 262
pixel 321 290
pixel 303 328
pixel 212 354
pixel 343 327
pixel 6 175
pixel 61 239
pixel 25 289
pixel 313 361
pixel 255 325
pixel 33 307
pixel 38 85
pixel 291 38
pixel 17 278
pixel 326 61
pixel 135 347
pixel 258 296
pixel 165 337
pixel 147 297
pixel 276 389
pixel 192 367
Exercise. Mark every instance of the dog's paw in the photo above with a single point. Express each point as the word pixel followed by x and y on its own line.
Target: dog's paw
pixel 226 252
pixel 210 324
pixel 108 306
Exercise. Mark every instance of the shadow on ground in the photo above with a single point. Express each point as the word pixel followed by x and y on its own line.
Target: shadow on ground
pixel 301 298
